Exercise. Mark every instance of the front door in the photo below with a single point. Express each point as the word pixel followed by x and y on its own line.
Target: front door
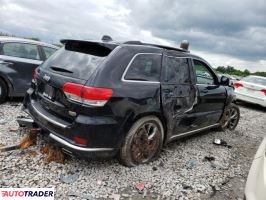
pixel 178 93
pixel 211 96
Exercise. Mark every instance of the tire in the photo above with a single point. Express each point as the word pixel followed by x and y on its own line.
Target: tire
pixel 145 132
pixel 230 118
pixel 3 91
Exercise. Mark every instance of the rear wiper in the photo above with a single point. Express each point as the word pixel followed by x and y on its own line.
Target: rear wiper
pixel 60 69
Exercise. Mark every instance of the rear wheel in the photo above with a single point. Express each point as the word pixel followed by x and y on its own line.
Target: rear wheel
pixel 3 91
pixel 143 142
pixel 230 118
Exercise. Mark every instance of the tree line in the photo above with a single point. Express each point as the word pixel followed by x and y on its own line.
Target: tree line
pixel 232 71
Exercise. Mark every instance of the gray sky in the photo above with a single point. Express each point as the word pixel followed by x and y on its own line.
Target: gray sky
pixel 223 32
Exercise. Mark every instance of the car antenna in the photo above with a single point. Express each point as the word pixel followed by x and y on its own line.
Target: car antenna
pixel 106 38
pixel 184 45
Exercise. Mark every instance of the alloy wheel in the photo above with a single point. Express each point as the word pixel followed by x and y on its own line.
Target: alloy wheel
pixel 145 142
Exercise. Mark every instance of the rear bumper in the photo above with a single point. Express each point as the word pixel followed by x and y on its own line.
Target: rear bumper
pixel 101 132
pixel 251 99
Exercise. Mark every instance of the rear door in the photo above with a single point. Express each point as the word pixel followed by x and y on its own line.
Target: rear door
pixel 18 62
pixel 211 96
pixel 178 93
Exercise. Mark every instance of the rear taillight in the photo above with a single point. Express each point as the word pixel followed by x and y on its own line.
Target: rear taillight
pixel 264 91
pixel 87 95
pixel 35 74
pixel 80 140
pixel 237 85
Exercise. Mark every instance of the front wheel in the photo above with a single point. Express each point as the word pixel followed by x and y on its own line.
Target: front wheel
pixel 230 117
pixel 143 142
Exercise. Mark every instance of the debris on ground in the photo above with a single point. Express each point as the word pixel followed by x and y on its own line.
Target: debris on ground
pixel 231 166
pixel 191 163
pixel 9 147
pixel 55 154
pixel 140 186
pixel 30 139
pixel 13 129
pixel 221 142
pixel 69 178
pixel 208 158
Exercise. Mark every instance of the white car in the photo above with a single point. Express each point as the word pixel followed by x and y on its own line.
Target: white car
pixel 256 182
pixel 251 89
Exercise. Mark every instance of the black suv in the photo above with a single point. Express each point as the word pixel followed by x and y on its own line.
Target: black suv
pixel 127 99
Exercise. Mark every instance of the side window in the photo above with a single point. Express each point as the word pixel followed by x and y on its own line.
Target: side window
pixel 145 67
pixel 48 51
pixel 204 76
pixel 21 50
pixel 176 70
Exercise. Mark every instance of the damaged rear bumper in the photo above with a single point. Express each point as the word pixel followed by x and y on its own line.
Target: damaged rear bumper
pixel 66 145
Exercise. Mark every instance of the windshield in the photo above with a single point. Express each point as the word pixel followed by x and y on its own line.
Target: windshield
pixel 72 63
pixel 256 80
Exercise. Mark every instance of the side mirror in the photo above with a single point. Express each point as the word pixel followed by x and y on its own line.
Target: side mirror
pixel 225 81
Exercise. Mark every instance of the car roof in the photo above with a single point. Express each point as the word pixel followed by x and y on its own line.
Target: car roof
pixel 22 40
pixel 113 44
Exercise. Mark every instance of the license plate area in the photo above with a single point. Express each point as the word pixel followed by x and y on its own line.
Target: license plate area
pixel 48 92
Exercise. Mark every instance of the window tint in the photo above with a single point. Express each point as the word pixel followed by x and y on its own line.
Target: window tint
pixel 78 65
pixel 48 51
pixel 145 67
pixel 176 70
pixel 21 50
pixel 204 76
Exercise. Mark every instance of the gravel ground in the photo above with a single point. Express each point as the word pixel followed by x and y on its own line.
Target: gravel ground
pixel 181 172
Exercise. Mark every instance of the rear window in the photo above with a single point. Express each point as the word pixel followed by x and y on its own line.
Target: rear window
pixel 256 80
pixel 145 67
pixel 76 61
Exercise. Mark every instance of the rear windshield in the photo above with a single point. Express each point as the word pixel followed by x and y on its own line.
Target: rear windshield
pixel 256 80
pixel 76 62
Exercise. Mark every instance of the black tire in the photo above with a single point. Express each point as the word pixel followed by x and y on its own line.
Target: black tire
pixel 3 91
pixel 140 131
pixel 230 118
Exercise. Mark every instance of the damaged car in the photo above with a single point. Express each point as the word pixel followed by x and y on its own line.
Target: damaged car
pixel 18 59
pixel 126 99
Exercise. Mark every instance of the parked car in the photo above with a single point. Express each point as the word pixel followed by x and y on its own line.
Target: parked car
pixel 127 99
pixel 18 59
pixel 256 182
pixel 251 89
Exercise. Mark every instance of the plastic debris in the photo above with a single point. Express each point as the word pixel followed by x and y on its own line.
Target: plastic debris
pixel 191 163
pixel 209 158
pixel 140 186
pixel 221 142
pixel 71 178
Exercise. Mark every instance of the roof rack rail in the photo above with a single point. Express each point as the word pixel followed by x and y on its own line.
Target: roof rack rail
pixel 156 45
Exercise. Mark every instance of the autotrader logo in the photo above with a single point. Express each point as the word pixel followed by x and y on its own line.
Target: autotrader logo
pixel 27 193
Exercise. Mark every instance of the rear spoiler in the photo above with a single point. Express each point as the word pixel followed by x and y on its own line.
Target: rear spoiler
pixel 97 48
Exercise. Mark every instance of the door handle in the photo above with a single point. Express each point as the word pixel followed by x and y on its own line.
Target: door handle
pixel 205 91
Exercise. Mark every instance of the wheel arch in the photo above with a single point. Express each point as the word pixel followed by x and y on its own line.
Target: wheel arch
pixel 8 84
pixel 133 118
